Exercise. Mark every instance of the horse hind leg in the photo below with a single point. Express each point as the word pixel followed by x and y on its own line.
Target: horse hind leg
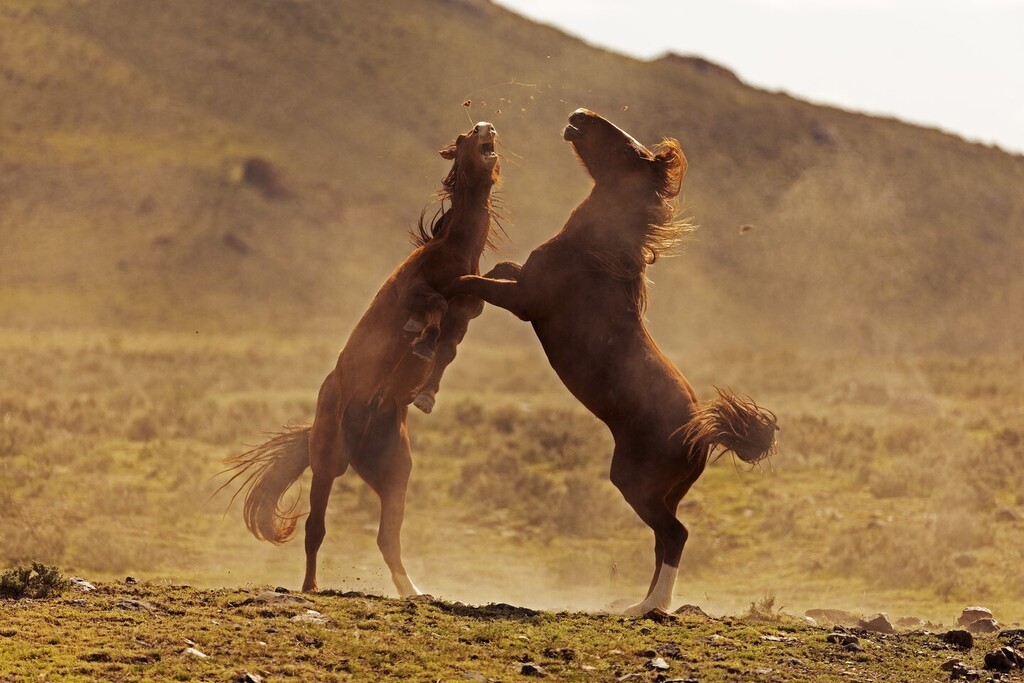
pixel 385 464
pixel 328 459
pixel 647 497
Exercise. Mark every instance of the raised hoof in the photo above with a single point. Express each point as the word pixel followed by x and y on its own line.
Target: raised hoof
pixel 424 401
pixel 423 351
pixel 414 326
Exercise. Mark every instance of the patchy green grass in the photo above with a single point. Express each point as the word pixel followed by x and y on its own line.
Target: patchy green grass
pixel 154 632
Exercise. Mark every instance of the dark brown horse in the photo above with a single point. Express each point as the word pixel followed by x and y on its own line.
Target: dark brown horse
pixel 584 291
pixel 363 404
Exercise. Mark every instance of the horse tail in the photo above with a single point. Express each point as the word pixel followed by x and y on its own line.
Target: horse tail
pixel 270 470
pixel 729 423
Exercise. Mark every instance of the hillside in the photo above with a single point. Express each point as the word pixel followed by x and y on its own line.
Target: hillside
pixel 125 129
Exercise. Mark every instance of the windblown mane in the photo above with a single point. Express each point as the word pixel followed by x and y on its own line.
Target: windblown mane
pixel 426 231
pixel 662 232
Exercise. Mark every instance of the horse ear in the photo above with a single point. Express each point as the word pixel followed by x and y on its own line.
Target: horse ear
pixel 449 151
pixel 671 165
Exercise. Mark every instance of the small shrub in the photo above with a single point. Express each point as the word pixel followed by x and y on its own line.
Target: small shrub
pixel 36 580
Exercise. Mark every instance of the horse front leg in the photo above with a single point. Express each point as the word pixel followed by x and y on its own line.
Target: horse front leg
pixel 507 294
pixel 506 270
pixel 429 308
pixel 453 330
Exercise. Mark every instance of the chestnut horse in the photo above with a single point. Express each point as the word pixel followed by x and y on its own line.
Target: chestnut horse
pixel 584 291
pixel 363 404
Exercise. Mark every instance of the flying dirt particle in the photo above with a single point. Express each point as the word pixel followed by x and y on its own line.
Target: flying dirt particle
pixel 746 227
pixel 625 107
pixel 467 103
pixel 497 111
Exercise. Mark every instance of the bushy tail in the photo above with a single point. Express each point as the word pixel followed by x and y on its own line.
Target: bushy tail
pixel 269 470
pixel 731 423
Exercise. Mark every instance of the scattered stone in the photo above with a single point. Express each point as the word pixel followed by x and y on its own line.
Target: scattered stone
pixel 78 583
pixel 130 580
pixel 247 677
pixel 1004 660
pixel 658 663
pixel 833 616
pixel 1012 633
pixel 853 647
pixel 692 611
pixel 958 638
pixel 659 616
pixel 532 670
pixel 474 676
pixel 195 653
pixel 134 605
pixel 669 650
pixel 566 654
pixel 843 639
pixel 985 625
pixel 961 670
pixel 951 664
pixel 811 621
pixel 972 614
pixel 281 589
pixel 311 616
pixel 879 623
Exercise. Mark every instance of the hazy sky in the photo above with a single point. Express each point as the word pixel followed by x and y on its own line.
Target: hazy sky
pixel 955 65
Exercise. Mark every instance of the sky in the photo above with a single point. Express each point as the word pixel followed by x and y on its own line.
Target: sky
pixel 953 65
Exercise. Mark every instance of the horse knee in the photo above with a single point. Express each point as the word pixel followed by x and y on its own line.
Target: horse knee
pixel 505 270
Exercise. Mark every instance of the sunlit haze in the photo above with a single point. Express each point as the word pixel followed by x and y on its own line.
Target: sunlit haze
pixel 951 65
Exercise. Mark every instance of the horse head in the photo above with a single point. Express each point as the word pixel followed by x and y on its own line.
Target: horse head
pixel 613 157
pixel 476 162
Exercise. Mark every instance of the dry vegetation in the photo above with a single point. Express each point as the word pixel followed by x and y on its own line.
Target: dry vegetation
pixel 893 488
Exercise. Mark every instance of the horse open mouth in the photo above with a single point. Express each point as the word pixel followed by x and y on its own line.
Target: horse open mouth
pixel 487 149
pixel 571 133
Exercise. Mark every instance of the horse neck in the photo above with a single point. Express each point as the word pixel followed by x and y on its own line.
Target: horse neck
pixel 608 219
pixel 468 225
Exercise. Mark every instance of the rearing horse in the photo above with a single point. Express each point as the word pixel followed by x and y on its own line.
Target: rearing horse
pixel 363 404
pixel 584 291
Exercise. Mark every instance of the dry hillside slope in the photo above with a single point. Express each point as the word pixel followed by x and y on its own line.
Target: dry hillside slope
pixel 125 197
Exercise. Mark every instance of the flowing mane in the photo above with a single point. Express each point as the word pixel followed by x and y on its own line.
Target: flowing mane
pixel 662 231
pixel 425 230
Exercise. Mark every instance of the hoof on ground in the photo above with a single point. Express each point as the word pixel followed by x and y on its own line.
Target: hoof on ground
pixel 424 401
pixel 642 608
